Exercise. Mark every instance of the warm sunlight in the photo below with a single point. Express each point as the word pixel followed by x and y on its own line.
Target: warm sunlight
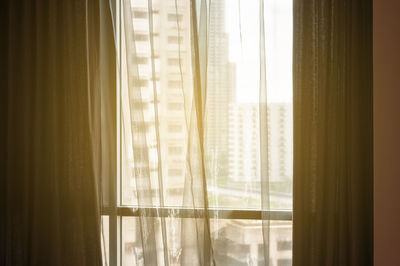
pixel 242 26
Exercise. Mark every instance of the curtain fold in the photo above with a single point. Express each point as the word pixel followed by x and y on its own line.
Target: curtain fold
pixel 333 160
pixel 51 203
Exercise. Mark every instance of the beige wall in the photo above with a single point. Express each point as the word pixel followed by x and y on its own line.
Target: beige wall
pixel 387 132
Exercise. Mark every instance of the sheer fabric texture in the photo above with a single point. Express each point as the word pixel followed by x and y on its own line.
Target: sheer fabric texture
pixel 194 130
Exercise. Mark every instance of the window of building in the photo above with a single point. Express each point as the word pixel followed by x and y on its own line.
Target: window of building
pixel 141 37
pixel 284 262
pixel 174 84
pixel 174 61
pixel 175 128
pixel 141 82
pixel 175 39
pixel 174 17
pixel 175 106
pixel 141 59
pixel 140 14
pixel 284 245
pixel 175 172
pixel 175 150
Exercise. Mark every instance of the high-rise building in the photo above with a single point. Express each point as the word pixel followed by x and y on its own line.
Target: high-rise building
pixel 244 143
pixel 173 78
pixel 241 242
pixel 220 92
pixel 172 74
pixel 244 152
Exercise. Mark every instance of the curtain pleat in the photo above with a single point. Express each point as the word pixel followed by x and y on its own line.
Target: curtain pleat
pixel 139 143
pixel 263 135
pixel 52 209
pixel 199 56
pixel 333 163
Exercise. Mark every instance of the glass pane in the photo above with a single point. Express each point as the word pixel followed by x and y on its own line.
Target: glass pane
pixel 232 126
pixel 279 33
pixel 233 104
pixel 132 251
pixel 235 242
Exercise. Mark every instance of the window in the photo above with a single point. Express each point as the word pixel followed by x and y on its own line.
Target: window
pixel 175 128
pixel 174 150
pixel 175 106
pixel 174 84
pixel 141 37
pixel 141 59
pixel 141 82
pixel 174 17
pixel 232 134
pixel 284 245
pixel 284 262
pixel 175 172
pixel 174 61
pixel 140 14
pixel 174 39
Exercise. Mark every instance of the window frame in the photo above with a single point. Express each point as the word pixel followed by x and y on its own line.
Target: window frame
pixel 116 210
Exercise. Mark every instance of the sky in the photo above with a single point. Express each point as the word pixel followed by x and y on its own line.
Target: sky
pixel 245 51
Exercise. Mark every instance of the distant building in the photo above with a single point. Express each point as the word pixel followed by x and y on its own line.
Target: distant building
pixel 244 143
pixel 244 153
pixel 220 90
pixel 241 242
pixel 173 77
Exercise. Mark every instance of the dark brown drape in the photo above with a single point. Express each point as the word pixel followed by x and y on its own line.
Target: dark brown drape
pixel 333 163
pixel 50 208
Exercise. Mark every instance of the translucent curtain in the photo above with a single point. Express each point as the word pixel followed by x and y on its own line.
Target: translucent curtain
pixel 195 130
pixel 248 126
pixel 167 168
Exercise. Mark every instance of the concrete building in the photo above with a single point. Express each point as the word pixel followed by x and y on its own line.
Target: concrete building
pixel 173 77
pixel 220 93
pixel 241 243
pixel 244 154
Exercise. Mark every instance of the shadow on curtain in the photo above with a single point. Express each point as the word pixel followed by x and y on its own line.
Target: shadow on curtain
pixel 333 159
pixel 50 204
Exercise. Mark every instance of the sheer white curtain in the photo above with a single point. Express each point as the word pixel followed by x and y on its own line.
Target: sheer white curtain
pixel 195 131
